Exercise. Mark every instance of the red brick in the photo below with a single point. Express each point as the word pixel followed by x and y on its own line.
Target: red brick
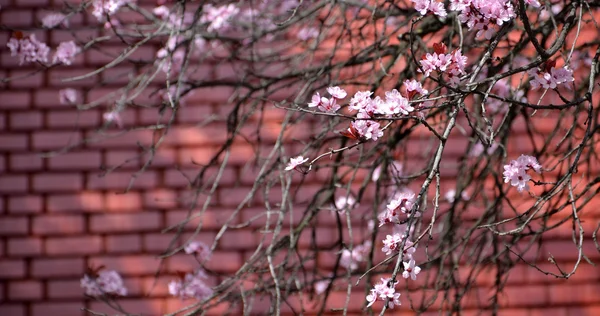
pixel 526 295
pixel 64 289
pixel 122 159
pixel 12 309
pixel 62 309
pixel 24 246
pixel 129 264
pixel 25 121
pixel 238 239
pixel 76 161
pixel 55 140
pixel 17 18
pixel 81 245
pixel 11 269
pixel 57 268
pixel 82 202
pixel 13 226
pixel 132 222
pixel 47 99
pixel 57 182
pixel 126 141
pixel 62 77
pixel 165 157
pixel 13 142
pixel 25 204
pixel 160 199
pixel 130 201
pixel 211 218
pixel 15 99
pixel 25 290
pixel 146 306
pixel 119 180
pixel 58 224
pixel 74 119
pixel 123 243
pixel 26 79
pixel 26 162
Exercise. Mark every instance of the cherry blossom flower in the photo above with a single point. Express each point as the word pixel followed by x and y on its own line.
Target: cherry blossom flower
pixel 364 129
pixel 324 104
pixel 423 6
pixel 394 103
pixel 67 96
pixel 516 172
pixel 410 270
pixel 65 52
pixel 450 196
pixel 384 291
pixel 103 283
pixel 482 15
pixel 199 249
pixel 105 8
pixel 395 170
pixel 413 87
pixel 351 259
pixel 190 286
pixel 113 116
pixel 533 3
pixel 295 162
pixel 307 33
pixel 390 243
pixel 337 92
pixel 28 49
pixel 361 101
pixel 161 11
pixel 343 203
pixel 550 78
pixel 53 19
pixel 218 18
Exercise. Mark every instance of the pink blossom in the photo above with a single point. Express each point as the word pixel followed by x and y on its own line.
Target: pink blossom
pixel 395 103
pixel 410 270
pixel 351 259
pixel 295 162
pixel 307 33
pixel 105 282
pixel 28 49
pixel 516 171
pixel 199 249
pixel 533 3
pixel 67 96
pixel 385 290
pixel 161 11
pixel 365 129
pixel 344 203
pixel 329 105
pixel 390 243
pixel 551 78
pixel 315 100
pixel 436 8
pixel 65 53
pixel 218 18
pixel 51 20
pixel 192 286
pixel 105 8
pixel 413 87
pixel 113 116
pixel 394 169
pixel 337 92
pixel 450 196
pixel 361 101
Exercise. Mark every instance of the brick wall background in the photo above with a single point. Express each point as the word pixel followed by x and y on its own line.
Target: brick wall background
pixel 59 215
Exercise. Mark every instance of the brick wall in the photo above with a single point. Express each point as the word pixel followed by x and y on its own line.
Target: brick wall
pixel 59 214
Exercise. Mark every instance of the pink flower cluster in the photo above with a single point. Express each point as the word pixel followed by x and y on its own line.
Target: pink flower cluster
pixel 384 291
pixel 328 105
pixel 516 171
pixel 105 8
pixel 103 283
pixel 28 49
pixel 191 286
pixel 65 52
pixel 482 15
pixel 393 243
pixel 67 96
pixel 550 77
pixel 424 6
pixel 218 18
pixel 351 259
pixel 452 64
pixel 295 162
pixel 199 249
pixel 401 203
pixel 52 20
